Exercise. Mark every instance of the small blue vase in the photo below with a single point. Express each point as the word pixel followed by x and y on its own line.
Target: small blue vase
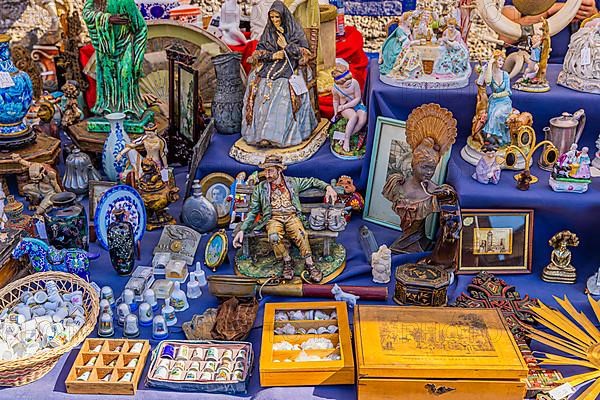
pixel 114 144
pixel 16 95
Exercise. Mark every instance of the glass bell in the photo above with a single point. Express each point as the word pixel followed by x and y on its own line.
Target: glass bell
pixel 160 330
pixel 150 298
pixel 105 326
pixel 129 299
pixel 122 312
pixel 199 274
pixel 169 313
pixel 146 314
pixel 193 288
pixel 179 299
pixel 131 328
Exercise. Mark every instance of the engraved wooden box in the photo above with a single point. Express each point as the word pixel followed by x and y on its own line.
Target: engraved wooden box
pixel 430 353
pixel 421 285
pixel 115 358
pixel 276 371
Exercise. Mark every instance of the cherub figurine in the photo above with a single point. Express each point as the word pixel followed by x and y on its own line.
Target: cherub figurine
pixel 347 101
pixel 71 112
pixel 560 269
pixel 488 169
pixel 534 78
pixel 43 184
pixel 412 197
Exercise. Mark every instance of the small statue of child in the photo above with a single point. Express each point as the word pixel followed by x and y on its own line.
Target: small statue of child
pixel 347 101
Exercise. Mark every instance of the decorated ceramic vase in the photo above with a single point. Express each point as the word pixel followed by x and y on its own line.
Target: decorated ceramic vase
pixel 197 212
pixel 156 9
pixel 16 95
pixel 121 243
pixel 66 222
pixel 15 217
pixel 228 102
pixel 114 144
pixel 78 172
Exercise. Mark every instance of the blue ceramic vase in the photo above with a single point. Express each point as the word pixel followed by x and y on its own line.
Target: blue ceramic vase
pixel 16 95
pixel 114 144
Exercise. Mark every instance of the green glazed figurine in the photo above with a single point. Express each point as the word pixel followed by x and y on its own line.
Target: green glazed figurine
pixel 119 34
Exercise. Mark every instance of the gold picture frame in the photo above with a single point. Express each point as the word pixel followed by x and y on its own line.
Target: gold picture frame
pixel 216 187
pixel 496 241
pixel 216 250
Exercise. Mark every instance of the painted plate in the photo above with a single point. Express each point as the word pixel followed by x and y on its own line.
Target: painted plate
pixel 216 250
pixel 127 198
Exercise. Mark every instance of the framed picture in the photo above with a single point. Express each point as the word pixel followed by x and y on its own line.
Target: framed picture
pixel 96 190
pixel 392 154
pixel 198 152
pixel 216 250
pixel 497 241
pixel 216 187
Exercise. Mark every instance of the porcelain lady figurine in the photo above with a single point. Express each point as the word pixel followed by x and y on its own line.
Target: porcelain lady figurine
pixel 275 115
pixel 453 60
pixel 560 269
pixel 347 101
pixel 393 45
pixel 413 197
pixel 571 172
pixel 154 146
pixel 581 68
pixel 499 103
pixel 488 169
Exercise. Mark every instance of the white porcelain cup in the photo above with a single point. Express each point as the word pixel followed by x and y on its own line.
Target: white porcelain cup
pixel 60 314
pixel 40 296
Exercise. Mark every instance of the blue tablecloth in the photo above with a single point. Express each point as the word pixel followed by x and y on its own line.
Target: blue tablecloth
pixel 553 212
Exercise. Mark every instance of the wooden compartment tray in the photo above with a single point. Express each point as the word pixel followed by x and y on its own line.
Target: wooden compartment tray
pixel 281 367
pixel 115 358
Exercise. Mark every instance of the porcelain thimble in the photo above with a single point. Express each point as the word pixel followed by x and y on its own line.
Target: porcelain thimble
pixel 107 293
pixel 146 314
pixel 122 312
pixel 40 296
pixel 105 307
pixel 129 299
pixel 150 298
pixel 131 328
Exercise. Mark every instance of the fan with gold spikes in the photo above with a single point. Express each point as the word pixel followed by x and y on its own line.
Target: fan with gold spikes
pixel 576 336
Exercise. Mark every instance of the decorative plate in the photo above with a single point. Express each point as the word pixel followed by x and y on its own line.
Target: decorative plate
pixel 216 187
pixel 216 250
pixel 127 198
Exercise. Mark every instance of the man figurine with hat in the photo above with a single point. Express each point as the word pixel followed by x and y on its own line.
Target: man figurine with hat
pixel 277 201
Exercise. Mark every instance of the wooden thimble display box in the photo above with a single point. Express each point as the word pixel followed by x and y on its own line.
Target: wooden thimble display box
pixel 108 366
pixel 429 353
pixel 306 344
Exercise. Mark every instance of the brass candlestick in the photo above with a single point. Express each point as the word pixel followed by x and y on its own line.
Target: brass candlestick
pixel 525 134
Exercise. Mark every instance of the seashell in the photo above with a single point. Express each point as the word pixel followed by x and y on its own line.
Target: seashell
pixel 317 344
pixel 301 331
pixel 311 331
pixel 332 329
pixel 310 314
pixel 281 316
pixel 282 346
pixel 296 315
pixel 322 330
pixel 320 315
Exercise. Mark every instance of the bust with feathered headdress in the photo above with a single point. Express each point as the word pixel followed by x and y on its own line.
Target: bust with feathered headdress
pixel 430 132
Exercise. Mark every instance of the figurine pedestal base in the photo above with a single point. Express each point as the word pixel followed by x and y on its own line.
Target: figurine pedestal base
pixel 428 82
pixel 574 82
pixel 92 142
pixel 253 155
pixel 262 264
pixel 570 186
pixel 592 285
pixel 101 124
pixel 554 275
pixel 472 156
pixel 524 85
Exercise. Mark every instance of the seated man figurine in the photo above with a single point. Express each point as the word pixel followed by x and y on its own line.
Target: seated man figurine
pixel 277 201
pixel 43 183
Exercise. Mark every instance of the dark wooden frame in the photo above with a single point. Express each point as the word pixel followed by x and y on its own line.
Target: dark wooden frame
pixel 517 269
pixel 180 147
pixel 92 184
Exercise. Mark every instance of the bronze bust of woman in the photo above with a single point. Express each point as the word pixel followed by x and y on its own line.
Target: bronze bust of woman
pixel 430 132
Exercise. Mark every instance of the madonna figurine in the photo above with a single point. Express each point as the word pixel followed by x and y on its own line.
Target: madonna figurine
pixel 499 102
pixel 488 169
pixel 430 132
pixel 275 114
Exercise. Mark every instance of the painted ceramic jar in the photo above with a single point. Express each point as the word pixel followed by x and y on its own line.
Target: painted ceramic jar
pixel 197 212
pixel 15 217
pixel 121 243
pixel 78 172
pixel 66 222
pixel 228 102
pixel 114 144
pixel 16 95
pixel 156 9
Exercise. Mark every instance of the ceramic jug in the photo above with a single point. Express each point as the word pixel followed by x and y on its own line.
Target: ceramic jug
pixel 66 222
pixel 563 132
pixel 228 102
pixel 114 144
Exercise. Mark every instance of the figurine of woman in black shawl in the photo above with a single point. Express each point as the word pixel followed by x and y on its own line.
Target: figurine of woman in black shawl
pixel 274 114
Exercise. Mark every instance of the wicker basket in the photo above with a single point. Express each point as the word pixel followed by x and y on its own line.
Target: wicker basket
pixel 28 369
